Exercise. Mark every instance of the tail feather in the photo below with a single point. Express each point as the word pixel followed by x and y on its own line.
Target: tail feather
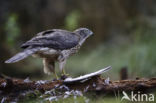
pixel 21 55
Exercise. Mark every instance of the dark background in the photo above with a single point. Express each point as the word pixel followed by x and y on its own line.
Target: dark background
pixel 124 34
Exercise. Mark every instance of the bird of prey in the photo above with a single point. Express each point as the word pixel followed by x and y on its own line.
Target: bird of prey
pixel 53 45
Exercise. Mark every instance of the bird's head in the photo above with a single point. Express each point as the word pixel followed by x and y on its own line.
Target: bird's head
pixel 84 34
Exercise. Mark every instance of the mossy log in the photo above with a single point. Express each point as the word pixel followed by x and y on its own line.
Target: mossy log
pixel 12 87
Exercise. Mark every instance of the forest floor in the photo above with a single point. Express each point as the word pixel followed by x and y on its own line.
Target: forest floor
pixel 13 89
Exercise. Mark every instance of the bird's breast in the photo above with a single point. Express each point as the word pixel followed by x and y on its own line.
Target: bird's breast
pixel 71 51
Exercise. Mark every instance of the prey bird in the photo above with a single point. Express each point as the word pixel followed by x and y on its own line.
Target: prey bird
pixel 53 45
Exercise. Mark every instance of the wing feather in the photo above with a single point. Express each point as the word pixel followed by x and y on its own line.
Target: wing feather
pixel 56 39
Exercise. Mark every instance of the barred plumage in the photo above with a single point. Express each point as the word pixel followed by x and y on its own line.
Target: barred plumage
pixel 53 45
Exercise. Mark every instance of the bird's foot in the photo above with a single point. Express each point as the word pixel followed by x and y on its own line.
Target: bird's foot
pixel 56 77
pixel 64 76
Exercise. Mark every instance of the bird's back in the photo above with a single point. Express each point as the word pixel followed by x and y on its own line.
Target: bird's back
pixel 55 38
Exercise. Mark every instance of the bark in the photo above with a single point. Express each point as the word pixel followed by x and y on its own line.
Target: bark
pixel 93 82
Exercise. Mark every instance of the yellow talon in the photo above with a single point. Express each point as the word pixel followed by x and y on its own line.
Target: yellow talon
pixel 64 73
pixel 56 75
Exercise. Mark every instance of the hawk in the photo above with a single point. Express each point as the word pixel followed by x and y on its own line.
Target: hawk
pixel 55 45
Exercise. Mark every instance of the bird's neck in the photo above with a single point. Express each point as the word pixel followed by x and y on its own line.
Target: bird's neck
pixel 82 41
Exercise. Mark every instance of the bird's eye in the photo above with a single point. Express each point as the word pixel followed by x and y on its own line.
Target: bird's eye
pixel 85 31
pixel 88 32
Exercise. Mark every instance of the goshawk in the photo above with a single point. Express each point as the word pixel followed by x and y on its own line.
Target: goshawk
pixel 53 45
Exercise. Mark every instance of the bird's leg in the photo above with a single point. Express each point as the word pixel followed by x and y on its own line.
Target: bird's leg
pixel 63 72
pixel 55 74
pixel 61 66
pixel 49 67
pixel 53 70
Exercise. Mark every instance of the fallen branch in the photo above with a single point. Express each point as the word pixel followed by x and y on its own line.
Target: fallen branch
pixel 93 82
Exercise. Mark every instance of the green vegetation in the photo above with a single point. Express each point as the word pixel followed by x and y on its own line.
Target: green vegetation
pixel 77 99
pixel 86 98
pixel 12 30
pixel 72 19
